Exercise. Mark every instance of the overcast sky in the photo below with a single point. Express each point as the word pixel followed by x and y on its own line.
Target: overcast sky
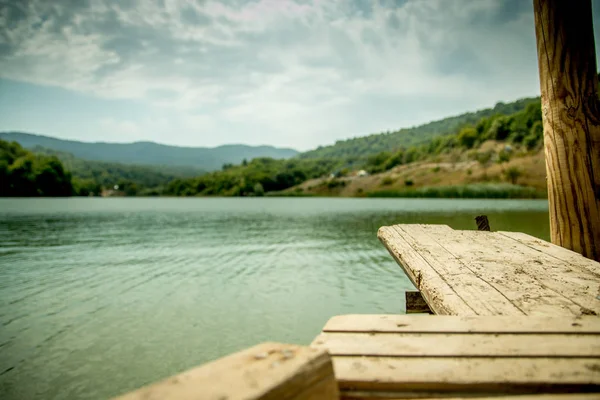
pixel 293 73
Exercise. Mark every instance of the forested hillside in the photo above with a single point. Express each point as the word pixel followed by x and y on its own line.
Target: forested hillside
pixel 149 153
pixel 254 178
pixel 356 148
pixel 92 176
pixel 455 139
pixel 23 173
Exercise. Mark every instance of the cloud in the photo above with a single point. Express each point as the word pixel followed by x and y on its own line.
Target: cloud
pixel 277 68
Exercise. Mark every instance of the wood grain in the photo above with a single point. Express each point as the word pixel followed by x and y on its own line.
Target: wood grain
pixel 269 371
pixel 466 375
pixel 378 395
pixel 571 116
pixel 490 273
pixel 375 323
pixel 459 345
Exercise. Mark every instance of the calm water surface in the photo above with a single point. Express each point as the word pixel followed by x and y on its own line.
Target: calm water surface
pixel 100 296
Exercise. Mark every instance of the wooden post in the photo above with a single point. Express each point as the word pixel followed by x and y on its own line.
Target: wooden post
pixel 571 114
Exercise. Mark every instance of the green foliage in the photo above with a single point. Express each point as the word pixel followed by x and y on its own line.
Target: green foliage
pixel 508 128
pixel 513 174
pixel 411 155
pixel 396 159
pixel 25 174
pixel 467 137
pixel 93 176
pixel 408 182
pixel 523 121
pixel 258 189
pixel 377 162
pixel 259 176
pixel 86 187
pixel 362 147
pixel 500 129
pixel 535 136
pixel 503 156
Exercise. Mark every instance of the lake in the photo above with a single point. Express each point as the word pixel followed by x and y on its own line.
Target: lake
pixel 102 295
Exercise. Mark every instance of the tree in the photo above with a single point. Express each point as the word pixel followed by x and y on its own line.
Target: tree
pixel 535 136
pixel 500 128
pixel 513 174
pixel 258 190
pixel 467 137
pixel 26 174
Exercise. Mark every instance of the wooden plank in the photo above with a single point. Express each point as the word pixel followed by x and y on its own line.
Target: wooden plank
pixel 370 395
pixel 467 375
pixel 432 266
pixel 479 293
pixel 535 282
pixel 571 116
pixel 372 323
pixel 550 249
pixel 269 371
pixel 458 345
pixel 440 296
pixel 415 303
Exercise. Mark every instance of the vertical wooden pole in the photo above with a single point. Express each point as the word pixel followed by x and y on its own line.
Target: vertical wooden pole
pixel 571 114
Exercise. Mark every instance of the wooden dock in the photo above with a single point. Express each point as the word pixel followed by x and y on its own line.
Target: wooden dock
pixel 493 273
pixel 401 356
pixel 521 320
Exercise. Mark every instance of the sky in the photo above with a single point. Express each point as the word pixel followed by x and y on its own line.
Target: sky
pixel 288 73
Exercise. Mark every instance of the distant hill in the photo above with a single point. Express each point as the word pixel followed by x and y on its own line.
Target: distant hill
pixel 150 153
pixel 107 174
pixel 361 147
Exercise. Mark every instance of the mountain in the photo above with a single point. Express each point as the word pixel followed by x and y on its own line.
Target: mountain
pixel 107 174
pixel 361 147
pixel 150 153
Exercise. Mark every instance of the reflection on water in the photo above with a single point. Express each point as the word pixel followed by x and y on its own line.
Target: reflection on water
pixel 100 296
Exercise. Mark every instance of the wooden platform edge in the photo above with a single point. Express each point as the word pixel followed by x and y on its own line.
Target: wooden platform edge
pixel 392 323
pixel 268 371
pixel 438 294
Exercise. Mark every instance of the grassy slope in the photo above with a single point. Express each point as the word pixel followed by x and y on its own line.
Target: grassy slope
pixel 455 169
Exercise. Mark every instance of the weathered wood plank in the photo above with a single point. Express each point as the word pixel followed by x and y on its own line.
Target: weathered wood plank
pixel 458 345
pixel 372 323
pixel 489 273
pixel 571 115
pixel 533 281
pixel 269 371
pixel 439 294
pixel 550 249
pixel 467 375
pixel 370 395
pixel 415 303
